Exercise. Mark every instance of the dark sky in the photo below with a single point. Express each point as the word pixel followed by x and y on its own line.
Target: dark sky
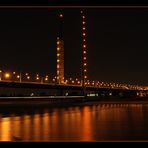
pixel 117 42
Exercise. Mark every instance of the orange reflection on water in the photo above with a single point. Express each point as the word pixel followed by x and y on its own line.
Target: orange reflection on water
pixel 27 123
pixel 16 124
pixel 36 123
pixel 83 123
pixel 86 134
pixel 54 125
pixel 6 131
pixel 46 126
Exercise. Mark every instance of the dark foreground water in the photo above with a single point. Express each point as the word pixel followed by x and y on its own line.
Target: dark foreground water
pixel 90 122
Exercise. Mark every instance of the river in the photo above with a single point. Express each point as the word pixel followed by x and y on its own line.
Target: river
pixel 88 122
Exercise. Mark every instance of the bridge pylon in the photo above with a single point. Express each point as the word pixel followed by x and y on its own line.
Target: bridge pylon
pixel 84 53
pixel 60 52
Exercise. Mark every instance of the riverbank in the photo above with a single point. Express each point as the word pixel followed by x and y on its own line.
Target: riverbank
pixel 65 101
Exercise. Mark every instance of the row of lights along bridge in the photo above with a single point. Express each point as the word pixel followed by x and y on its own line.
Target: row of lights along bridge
pixel 40 79
pixel 59 79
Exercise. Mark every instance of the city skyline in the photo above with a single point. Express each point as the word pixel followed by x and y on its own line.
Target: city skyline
pixel 116 42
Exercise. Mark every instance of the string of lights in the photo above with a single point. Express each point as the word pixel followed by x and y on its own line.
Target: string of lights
pixel 84 48
pixel 60 53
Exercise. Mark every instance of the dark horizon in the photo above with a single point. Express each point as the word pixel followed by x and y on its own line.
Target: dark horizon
pixel 117 42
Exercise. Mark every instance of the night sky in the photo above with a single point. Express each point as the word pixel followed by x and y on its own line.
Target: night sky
pixel 117 42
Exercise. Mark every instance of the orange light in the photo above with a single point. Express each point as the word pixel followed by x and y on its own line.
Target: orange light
pixel 7 75
pixel 46 79
pixel 61 15
pixel 18 76
pixel 37 78
pixel 58 66
pixel 84 34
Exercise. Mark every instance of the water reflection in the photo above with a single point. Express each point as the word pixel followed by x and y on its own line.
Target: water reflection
pixel 80 123
pixel 5 129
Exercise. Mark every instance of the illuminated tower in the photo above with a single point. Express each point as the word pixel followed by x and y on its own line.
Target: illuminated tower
pixel 84 50
pixel 60 53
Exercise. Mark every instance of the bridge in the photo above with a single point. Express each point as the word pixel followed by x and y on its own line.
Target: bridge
pixel 28 88
pixel 16 83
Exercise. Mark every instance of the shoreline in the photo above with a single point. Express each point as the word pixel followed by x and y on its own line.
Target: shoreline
pixel 80 101
pixel 7 108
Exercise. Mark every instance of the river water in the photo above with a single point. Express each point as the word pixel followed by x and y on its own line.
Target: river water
pixel 89 122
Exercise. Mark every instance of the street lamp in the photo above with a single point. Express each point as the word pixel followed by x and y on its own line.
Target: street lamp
pixel 53 80
pixel 7 75
pixel 18 76
pixel 37 78
pixel 46 79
